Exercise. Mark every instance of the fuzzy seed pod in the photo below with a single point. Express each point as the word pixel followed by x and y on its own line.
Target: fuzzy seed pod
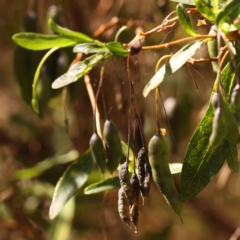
pixel 235 98
pixel 218 129
pixel 113 145
pixel 134 217
pixel 147 180
pixel 135 184
pixel 98 152
pixel 159 161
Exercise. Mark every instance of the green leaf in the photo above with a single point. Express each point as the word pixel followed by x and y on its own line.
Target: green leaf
pixel 78 70
pixel 187 2
pixel 73 178
pixel 87 48
pixel 102 186
pixel 75 36
pixel 125 151
pixel 113 183
pixel 117 49
pixel 227 15
pixel 201 162
pixel 185 20
pixel 46 164
pixel 175 62
pixel 37 41
pixel 205 8
pixel 61 226
pixel 36 77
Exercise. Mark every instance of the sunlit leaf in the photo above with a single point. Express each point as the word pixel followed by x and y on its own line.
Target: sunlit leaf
pixel 205 8
pixel 76 36
pixel 202 162
pixel 61 226
pixel 87 48
pixel 185 20
pixel 102 186
pixel 227 15
pixel 37 41
pixel 188 2
pixel 117 49
pixel 175 168
pixel 70 182
pixel 125 151
pixel 78 70
pixel 175 62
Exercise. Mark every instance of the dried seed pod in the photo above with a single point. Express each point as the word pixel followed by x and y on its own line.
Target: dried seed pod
pixel 123 207
pixel 113 145
pixel 126 185
pixel 147 180
pixel 235 98
pixel 218 129
pixel 144 172
pixel 98 152
pixel 135 184
pixel 158 158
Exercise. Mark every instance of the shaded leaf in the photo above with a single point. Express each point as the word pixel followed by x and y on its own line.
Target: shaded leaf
pixel 205 8
pixel 36 77
pixel 202 162
pixel 185 20
pixel 125 151
pixel 37 41
pixel 70 182
pixel 87 48
pixel 46 164
pixel 175 62
pixel 102 186
pixel 75 36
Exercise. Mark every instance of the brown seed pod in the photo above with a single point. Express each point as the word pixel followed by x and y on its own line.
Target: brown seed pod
pixel 135 184
pixel 144 172
pixel 123 207
pixel 125 183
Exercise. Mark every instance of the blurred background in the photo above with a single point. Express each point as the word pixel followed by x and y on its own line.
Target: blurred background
pixel 30 142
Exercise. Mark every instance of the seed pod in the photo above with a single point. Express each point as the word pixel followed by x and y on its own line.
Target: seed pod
pixel 98 152
pixel 158 158
pixel 113 145
pixel 135 184
pixel 126 185
pixel 144 172
pixel 213 49
pixel 235 98
pixel 134 217
pixel 147 180
pixel 218 129
pixel 123 207
pixel 232 133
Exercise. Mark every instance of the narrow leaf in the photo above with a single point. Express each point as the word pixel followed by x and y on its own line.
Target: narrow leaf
pixel 175 168
pixel 75 36
pixel 205 8
pixel 46 164
pixel 102 186
pixel 36 77
pixel 87 48
pixel 118 49
pixel 202 162
pixel 185 20
pixel 78 70
pixel 37 41
pixel 227 15
pixel 61 226
pixel 70 182
pixel 175 62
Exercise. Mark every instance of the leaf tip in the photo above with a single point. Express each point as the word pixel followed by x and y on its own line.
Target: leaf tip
pixel 35 107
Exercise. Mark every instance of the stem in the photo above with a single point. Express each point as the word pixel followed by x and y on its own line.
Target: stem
pixel 157 112
pixel 166 45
